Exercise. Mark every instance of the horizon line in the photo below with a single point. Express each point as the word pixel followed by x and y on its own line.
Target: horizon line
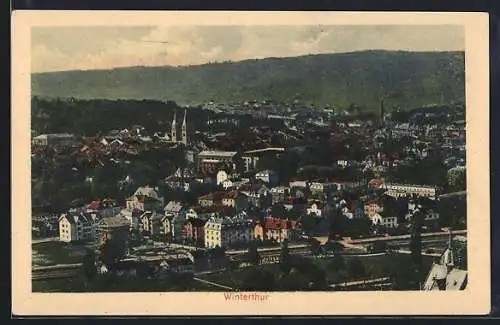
pixel 243 60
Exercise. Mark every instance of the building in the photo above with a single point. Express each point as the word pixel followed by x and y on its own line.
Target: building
pixel 194 231
pixel 279 193
pixel 210 161
pixel 55 139
pixel 211 199
pixel 384 220
pixel 104 208
pixel 145 199
pixel 258 195
pixel 267 176
pixel 450 273
pixel 227 231
pixel 235 199
pixel 397 190
pixel 132 217
pixel 174 208
pixel 115 228
pixel 275 229
pixel 150 222
pixel 77 227
pixel 250 158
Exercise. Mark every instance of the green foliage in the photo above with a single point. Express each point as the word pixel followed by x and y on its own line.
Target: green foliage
pixel 405 78
pixel 112 251
pixel 356 268
pixel 88 265
pixel 253 253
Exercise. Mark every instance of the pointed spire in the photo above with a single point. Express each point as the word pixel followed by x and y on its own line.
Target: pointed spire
pixel 173 132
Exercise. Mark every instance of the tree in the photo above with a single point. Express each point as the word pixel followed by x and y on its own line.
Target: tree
pixel 112 251
pixel 253 253
pixel 285 263
pixel 88 265
pixel 378 247
pixel 315 246
pixel 356 268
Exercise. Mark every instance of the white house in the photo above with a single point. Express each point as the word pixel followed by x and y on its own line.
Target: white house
pixel 77 227
pixel 221 177
pixel 223 232
pixel 385 221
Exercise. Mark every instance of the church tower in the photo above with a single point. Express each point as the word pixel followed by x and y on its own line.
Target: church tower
pixel 184 129
pixel 173 132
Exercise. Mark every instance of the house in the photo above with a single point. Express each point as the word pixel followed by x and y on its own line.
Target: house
pixel 177 227
pixel 279 193
pixel 194 231
pixel 267 176
pixel 115 228
pixel 258 195
pixel 315 208
pixel 211 199
pixel 275 229
pixel 77 227
pixel 151 223
pixel 450 273
pixel 385 220
pixel 236 200
pixel 105 208
pixel 227 231
pixel 183 179
pixel 56 139
pixel 132 217
pixel 221 177
pixel 174 208
pixel 397 190
pixel 166 224
pixel 203 212
pixel 298 184
pixel 148 191
pixel 320 187
pixel 143 203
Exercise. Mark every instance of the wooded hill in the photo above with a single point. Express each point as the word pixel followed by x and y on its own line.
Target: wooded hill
pixel 406 79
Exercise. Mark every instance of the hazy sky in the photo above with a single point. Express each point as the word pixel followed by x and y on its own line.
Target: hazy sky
pixel 70 48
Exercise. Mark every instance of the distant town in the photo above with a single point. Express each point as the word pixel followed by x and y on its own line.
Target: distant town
pixel 253 196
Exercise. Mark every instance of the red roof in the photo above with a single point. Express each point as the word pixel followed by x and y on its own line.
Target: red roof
pixel 94 205
pixel 275 223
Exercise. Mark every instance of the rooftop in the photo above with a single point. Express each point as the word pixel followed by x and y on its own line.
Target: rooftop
pixel 216 153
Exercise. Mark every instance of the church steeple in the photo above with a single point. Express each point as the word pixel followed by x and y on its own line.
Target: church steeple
pixel 173 132
pixel 184 129
pixel 448 259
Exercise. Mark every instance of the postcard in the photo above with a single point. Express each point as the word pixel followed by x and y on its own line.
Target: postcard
pixel 250 163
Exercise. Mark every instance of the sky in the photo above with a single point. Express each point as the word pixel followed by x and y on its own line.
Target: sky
pixel 105 47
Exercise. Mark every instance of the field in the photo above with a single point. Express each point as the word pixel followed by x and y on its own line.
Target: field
pixel 50 253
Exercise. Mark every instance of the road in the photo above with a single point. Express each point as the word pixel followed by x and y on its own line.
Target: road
pixel 44 240
pixel 213 284
pixel 360 282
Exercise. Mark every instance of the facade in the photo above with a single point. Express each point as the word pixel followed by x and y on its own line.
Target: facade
pixel 62 139
pixel 397 190
pixel 195 231
pixel 384 221
pixel 279 193
pixel 267 176
pixel 236 200
pixel 209 161
pixel 151 223
pixel 275 229
pixel 77 227
pixel 115 228
pixel 225 232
